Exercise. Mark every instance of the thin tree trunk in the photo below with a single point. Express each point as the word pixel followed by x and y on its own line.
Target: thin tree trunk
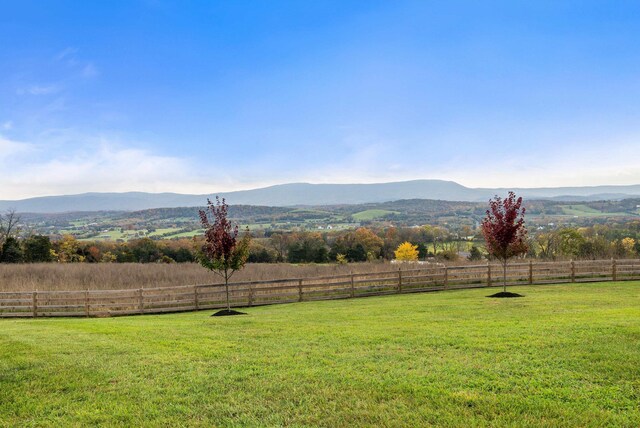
pixel 504 276
pixel 226 286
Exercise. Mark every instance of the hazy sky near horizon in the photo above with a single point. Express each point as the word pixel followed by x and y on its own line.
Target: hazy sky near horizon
pixel 203 96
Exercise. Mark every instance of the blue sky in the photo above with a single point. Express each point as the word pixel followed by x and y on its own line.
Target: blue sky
pixel 201 97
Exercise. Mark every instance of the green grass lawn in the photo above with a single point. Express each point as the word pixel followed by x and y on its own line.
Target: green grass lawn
pixel 561 356
pixel 586 211
pixel 372 214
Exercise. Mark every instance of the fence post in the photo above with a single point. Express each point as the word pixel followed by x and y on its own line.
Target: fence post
pixel 488 274
pixel 573 271
pixel 196 298
pixel 399 280
pixel 140 301
pixel 299 290
pixel 446 276
pixel 250 294
pixel 530 272
pixel 352 286
pixel 35 303
pixel 614 270
pixel 86 302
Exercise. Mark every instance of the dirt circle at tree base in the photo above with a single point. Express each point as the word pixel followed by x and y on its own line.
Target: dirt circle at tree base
pixel 506 294
pixel 227 312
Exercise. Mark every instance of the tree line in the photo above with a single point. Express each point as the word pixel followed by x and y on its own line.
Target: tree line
pixel 617 240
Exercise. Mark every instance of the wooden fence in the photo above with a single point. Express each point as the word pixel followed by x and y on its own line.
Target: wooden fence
pixel 99 303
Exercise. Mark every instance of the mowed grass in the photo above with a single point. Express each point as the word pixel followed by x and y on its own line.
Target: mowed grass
pixel 562 356
pixel 372 214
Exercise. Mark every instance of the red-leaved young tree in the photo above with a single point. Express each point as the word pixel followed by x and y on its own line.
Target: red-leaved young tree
pixel 504 231
pixel 222 252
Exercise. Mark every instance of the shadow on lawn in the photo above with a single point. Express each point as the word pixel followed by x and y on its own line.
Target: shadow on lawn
pixel 226 313
pixel 506 294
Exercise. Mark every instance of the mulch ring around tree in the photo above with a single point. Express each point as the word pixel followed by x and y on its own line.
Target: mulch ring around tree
pixel 506 294
pixel 225 313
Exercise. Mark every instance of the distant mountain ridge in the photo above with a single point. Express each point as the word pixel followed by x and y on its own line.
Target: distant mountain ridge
pixel 301 194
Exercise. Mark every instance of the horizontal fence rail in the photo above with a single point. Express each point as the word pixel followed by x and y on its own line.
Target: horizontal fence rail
pixel 104 303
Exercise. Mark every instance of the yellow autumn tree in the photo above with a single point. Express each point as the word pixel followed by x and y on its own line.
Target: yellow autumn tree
pixel 407 252
pixel 628 244
pixel 69 250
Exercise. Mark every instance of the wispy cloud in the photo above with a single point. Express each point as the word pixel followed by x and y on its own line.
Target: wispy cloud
pixel 69 70
pixel 97 167
pixel 39 89
pixel 10 149
pixel 67 54
pixel 71 58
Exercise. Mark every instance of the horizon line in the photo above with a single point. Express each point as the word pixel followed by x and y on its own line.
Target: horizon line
pixel 321 184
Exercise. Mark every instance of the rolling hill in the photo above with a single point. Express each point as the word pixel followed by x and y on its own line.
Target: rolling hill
pixel 301 194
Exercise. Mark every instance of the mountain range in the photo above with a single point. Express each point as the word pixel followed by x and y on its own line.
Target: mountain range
pixel 306 194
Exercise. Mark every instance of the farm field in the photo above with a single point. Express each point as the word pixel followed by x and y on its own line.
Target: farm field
pixel 586 211
pixel 114 276
pixel 561 356
pixel 372 214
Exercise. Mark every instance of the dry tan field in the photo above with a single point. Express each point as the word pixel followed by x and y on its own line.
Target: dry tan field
pixel 82 276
